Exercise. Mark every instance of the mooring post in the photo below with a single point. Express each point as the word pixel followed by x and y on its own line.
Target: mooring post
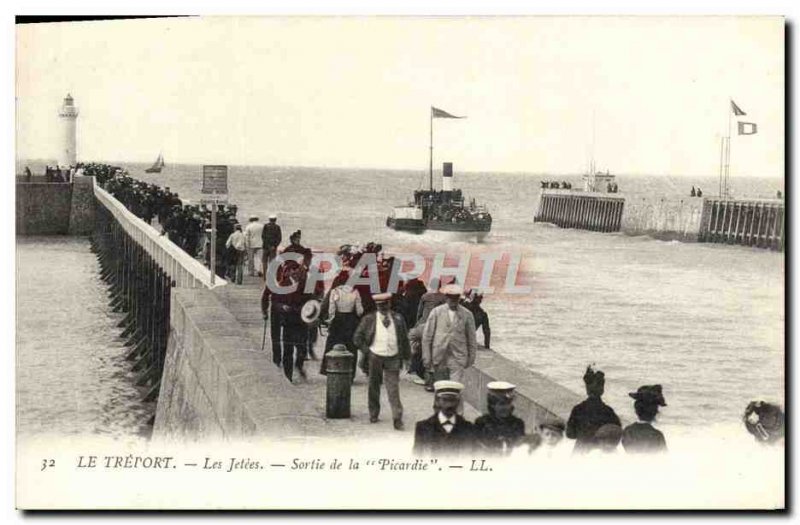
pixel 339 372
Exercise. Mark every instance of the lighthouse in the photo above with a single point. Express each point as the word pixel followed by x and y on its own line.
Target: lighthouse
pixel 69 117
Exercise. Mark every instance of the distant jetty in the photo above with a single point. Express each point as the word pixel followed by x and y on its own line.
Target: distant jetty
pixel 746 222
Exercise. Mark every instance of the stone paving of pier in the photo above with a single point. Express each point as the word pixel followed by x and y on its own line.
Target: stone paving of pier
pixel 243 301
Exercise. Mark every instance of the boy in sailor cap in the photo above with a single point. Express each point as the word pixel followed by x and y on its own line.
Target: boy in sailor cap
pixel 499 430
pixel 445 432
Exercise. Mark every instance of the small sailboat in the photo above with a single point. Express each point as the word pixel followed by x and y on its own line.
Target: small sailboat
pixel 157 165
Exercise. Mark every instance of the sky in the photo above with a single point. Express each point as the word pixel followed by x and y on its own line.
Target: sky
pixel 640 95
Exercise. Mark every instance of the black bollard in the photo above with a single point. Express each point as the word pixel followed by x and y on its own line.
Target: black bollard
pixel 339 373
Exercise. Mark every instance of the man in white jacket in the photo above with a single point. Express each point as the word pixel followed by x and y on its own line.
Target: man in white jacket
pixel 253 243
pixel 449 345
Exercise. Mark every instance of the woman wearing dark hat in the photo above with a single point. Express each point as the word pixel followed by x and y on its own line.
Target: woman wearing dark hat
pixel 588 416
pixel 641 437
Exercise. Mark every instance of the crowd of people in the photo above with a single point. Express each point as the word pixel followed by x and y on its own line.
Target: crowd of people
pixel 432 332
pixel 188 225
pixel 56 173
pixel 554 185
pixel 593 425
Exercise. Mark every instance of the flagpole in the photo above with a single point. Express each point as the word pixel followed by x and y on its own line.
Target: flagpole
pixel 728 149
pixel 721 162
pixel 430 158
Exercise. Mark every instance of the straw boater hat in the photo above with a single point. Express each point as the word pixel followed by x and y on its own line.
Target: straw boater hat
pixel 448 388
pixel 310 311
pixel 452 289
pixel 253 217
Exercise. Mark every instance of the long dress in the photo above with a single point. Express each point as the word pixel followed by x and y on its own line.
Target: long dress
pixel 344 311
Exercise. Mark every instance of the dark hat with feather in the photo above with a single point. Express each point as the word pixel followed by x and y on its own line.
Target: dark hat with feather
pixel 592 377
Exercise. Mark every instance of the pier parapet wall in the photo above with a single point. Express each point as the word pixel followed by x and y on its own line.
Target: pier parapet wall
pixel 216 384
pixel 54 208
pixel 663 217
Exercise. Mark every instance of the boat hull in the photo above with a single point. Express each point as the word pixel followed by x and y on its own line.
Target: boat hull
pixel 407 225
pixel 447 230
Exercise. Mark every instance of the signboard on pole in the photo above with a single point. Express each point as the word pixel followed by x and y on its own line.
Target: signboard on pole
pixel 215 190
pixel 215 180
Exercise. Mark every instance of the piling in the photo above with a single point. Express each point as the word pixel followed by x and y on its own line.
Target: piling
pixel 140 288
pixel 600 212
pixel 757 223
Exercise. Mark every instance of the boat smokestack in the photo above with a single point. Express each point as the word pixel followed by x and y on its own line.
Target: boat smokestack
pixel 447 176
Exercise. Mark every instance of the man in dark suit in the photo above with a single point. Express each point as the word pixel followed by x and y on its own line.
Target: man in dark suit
pixel 270 239
pixel 445 432
pixel 382 337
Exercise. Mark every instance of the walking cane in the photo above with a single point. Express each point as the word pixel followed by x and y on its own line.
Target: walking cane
pixel 264 337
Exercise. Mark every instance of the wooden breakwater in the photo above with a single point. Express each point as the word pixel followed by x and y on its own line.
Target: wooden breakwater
pixel 759 223
pixel 600 212
pixel 753 222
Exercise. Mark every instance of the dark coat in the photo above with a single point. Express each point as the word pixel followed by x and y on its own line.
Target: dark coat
pixel 492 432
pixel 271 234
pixel 365 334
pixel 431 439
pixel 643 438
pixel 584 420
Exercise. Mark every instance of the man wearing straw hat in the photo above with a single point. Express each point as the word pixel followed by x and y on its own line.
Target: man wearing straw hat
pixel 449 345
